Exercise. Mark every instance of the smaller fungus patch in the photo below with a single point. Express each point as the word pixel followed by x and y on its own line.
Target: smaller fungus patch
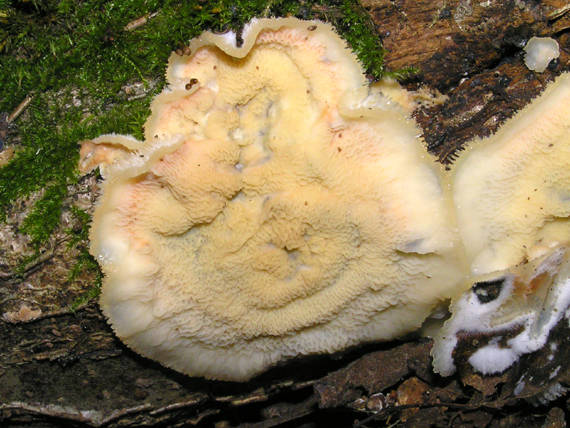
pixel 511 194
pixel 539 51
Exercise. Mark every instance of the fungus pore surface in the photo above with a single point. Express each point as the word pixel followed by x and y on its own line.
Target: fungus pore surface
pixel 279 206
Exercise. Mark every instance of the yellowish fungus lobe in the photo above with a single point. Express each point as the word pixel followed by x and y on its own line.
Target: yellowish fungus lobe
pixel 279 206
pixel 511 193
pixel 512 190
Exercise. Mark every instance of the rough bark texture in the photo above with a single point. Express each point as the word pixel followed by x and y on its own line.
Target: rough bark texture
pixel 471 52
pixel 60 367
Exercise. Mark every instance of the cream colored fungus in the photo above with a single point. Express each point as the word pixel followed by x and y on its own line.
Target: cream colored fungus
pixel 280 206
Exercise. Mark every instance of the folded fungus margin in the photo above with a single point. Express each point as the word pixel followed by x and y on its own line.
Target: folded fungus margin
pixel 280 206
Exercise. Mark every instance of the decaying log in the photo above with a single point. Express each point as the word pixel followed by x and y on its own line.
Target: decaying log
pixel 60 366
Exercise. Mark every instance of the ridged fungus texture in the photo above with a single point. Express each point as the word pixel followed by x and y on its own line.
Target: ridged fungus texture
pixel 281 206
pixel 511 195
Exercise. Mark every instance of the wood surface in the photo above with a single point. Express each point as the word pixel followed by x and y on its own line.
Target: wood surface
pixel 63 367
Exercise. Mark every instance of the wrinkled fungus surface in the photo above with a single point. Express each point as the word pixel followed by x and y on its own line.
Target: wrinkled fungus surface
pixel 267 213
pixel 281 206
pixel 511 195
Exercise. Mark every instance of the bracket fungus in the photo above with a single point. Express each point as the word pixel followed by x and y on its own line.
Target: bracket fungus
pixel 279 206
pixel 511 191
pixel 511 194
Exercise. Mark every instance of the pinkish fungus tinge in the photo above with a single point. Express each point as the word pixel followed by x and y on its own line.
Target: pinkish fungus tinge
pixel 281 206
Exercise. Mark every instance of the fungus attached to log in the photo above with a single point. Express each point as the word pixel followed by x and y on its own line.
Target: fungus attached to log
pixel 279 206
pixel 511 193
pixel 539 51
pixel 512 190
pixel 506 315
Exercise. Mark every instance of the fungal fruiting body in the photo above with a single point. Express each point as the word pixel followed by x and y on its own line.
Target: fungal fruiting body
pixel 280 206
pixel 511 191
pixel 539 51
pixel 511 194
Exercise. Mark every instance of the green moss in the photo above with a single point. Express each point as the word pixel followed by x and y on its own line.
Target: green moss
pixel 93 292
pixel 45 214
pixel 74 57
pixel 84 263
pixel 356 27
